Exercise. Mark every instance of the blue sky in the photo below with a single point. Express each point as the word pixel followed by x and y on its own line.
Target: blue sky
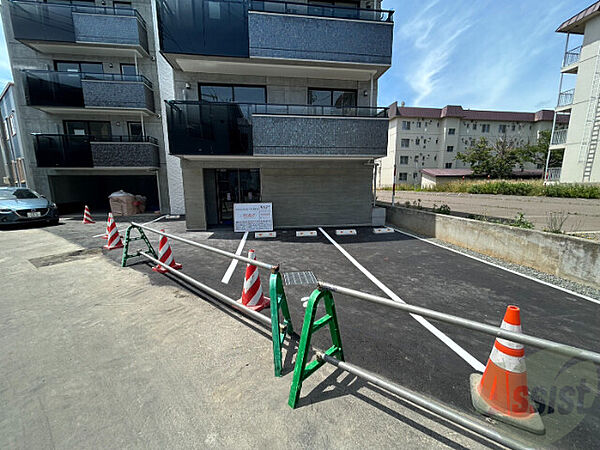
pixel 484 54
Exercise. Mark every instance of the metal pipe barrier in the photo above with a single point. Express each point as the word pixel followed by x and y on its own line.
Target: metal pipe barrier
pixel 280 324
pixel 546 344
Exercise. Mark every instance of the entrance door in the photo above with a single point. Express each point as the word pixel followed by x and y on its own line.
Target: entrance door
pixel 235 186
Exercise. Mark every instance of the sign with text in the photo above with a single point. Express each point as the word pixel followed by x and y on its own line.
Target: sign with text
pixel 252 217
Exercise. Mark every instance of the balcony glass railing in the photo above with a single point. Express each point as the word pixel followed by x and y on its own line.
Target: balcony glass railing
pixel 54 88
pixel 208 128
pixel 553 174
pixel 307 9
pixel 572 56
pixel 67 150
pixel 559 137
pixel 565 98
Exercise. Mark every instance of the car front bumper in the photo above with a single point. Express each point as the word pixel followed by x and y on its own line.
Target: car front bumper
pixel 14 218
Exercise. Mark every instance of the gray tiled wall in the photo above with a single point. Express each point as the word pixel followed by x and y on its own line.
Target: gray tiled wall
pixel 124 154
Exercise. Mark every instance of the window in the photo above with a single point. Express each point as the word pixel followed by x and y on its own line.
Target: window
pixel 5 130
pixel 474 126
pixel 449 165
pixel 417 141
pixel 330 97
pixel 404 143
pixel 405 125
pixel 415 174
pixel 485 128
pixel 75 66
pixel 513 127
pixel 539 166
pixel 402 176
pixel 11 125
pixel 229 93
pixel 87 128
pixel 121 4
pixel 451 131
pixel 134 129
pixel 450 148
pixel 418 124
pixel 501 128
pixel 404 160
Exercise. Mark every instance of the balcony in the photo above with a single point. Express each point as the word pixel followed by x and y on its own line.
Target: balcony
pixel 565 98
pixel 64 92
pixel 64 150
pixel 552 175
pixel 204 129
pixel 571 57
pixel 84 30
pixel 267 33
pixel 559 137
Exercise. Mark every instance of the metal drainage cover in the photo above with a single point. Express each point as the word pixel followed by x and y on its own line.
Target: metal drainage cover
pixel 299 278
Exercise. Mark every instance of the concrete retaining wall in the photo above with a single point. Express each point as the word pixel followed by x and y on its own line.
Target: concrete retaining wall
pixel 568 257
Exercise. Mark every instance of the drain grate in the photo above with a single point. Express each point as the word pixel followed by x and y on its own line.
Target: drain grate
pixel 299 278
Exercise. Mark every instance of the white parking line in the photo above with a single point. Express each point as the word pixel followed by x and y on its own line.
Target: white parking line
pixel 470 359
pixel 234 262
pixel 568 291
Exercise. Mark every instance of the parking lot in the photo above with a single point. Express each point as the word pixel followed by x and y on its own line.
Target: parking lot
pixel 384 341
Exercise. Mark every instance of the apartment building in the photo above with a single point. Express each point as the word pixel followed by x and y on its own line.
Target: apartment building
pixel 578 99
pixel 12 171
pixel 430 138
pixel 274 102
pixel 86 96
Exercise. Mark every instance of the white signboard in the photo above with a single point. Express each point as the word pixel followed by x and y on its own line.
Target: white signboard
pixel 252 217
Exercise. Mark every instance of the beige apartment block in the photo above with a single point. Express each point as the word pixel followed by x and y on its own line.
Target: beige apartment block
pixel 579 104
pixel 430 138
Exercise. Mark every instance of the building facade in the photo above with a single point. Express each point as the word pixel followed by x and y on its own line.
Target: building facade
pixel 579 99
pixel 13 171
pixel 430 138
pixel 274 102
pixel 87 99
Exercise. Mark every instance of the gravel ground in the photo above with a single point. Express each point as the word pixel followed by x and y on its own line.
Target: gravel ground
pixel 567 284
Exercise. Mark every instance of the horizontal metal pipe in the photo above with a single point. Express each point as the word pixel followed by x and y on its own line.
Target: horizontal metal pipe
pixel 271 267
pixel 552 346
pixel 225 299
pixel 424 402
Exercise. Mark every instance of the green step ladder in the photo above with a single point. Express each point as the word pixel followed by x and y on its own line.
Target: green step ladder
pixel 302 371
pixel 128 239
pixel 278 303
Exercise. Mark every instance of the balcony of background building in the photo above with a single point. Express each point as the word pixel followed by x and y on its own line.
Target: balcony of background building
pixel 244 129
pixel 66 150
pixel 565 98
pixel 320 37
pixel 57 92
pixel 559 137
pixel 570 59
pixel 78 29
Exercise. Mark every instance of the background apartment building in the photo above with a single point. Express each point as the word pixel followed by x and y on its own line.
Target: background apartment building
pixel 13 170
pixel 578 99
pixel 274 102
pixel 86 95
pixel 430 138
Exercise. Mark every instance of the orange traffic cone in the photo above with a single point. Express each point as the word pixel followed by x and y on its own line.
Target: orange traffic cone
pixel 87 217
pixel 501 392
pixel 252 293
pixel 165 255
pixel 114 239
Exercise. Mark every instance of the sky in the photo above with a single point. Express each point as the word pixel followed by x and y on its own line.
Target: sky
pixel 481 54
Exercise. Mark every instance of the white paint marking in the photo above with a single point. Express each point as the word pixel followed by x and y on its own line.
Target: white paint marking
pixel 343 232
pixel 568 291
pixel 99 235
pixel 310 233
pixel 269 234
pixel 234 262
pixel 470 359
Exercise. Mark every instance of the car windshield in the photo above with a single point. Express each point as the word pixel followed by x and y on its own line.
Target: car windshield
pixel 17 194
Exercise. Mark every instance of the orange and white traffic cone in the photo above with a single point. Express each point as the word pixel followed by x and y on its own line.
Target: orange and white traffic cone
pixel 252 293
pixel 165 255
pixel 114 239
pixel 87 217
pixel 502 392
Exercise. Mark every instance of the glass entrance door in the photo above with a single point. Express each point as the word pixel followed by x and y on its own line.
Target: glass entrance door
pixel 235 186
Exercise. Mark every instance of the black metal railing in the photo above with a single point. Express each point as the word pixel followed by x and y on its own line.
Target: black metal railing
pixel 339 12
pixel 212 128
pixel 68 150
pixel 55 88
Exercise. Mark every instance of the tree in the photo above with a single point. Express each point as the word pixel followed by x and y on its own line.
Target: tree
pixel 538 152
pixel 496 160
